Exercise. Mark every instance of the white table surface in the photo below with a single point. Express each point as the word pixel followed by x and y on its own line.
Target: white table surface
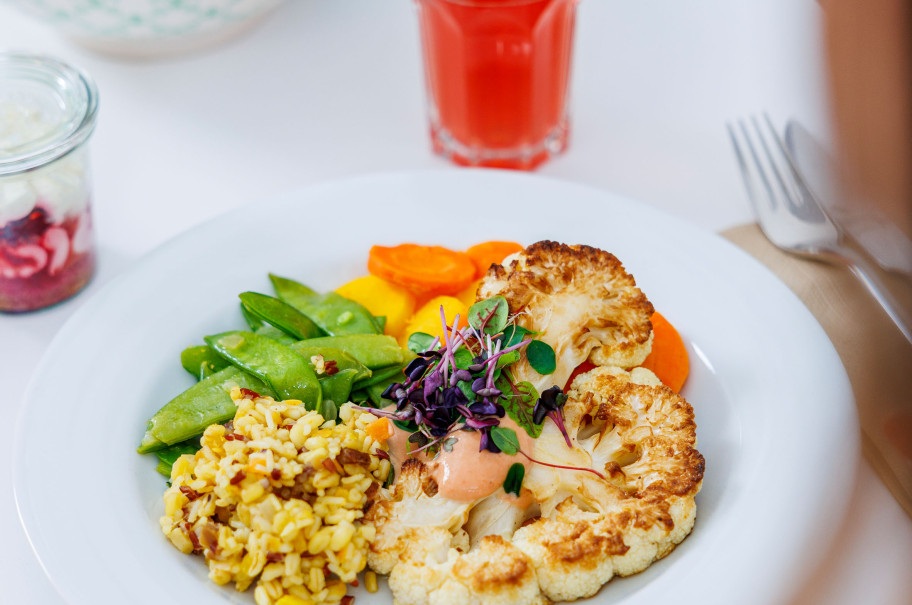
pixel 328 89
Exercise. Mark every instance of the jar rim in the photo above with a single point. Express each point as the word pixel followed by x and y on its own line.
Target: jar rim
pixel 59 77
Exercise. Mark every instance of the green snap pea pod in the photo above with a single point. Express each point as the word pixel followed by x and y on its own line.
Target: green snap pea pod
pixel 207 402
pixel 252 320
pixel 201 361
pixel 286 371
pixel 373 350
pixel 337 388
pixel 168 456
pixel 334 313
pixel 343 360
pixel 280 314
pixel 375 390
pixel 380 322
pixel 379 375
pixel 359 396
pixel 275 334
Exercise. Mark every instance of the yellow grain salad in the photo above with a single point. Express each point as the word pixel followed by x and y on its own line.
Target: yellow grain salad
pixel 276 497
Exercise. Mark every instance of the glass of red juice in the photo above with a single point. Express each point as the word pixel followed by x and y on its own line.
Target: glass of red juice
pixel 497 75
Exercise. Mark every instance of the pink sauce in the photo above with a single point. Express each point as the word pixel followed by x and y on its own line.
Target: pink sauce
pixel 464 473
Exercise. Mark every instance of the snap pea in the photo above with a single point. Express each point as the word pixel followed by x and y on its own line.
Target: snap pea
pixel 252 320
pixel 168 456
pixel 285 370
pixel 275 334
pixel 343 360
pixel 207 402
pixel 201 361
pixel 375 390
pixel 380 322
pixel 378 375
pixel 334 313
pixel 373 350
pixel 337 388
pixel 280 314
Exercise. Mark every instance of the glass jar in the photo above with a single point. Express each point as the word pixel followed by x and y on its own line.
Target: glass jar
pixel 47 114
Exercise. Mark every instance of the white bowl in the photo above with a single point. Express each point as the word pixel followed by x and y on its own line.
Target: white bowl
pixel 149 28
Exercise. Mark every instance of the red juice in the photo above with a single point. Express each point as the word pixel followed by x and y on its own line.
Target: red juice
pixel 497 74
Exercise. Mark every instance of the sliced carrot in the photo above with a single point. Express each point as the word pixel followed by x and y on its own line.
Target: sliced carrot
pixel 488 253
pixel 668 359
pixel 380 429
pixel 423 270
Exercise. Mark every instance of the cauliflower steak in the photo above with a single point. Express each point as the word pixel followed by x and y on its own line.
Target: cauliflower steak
pixel 608 493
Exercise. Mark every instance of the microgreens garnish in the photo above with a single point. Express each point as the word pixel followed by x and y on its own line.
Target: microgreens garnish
pixel 513 483
pixel 461 382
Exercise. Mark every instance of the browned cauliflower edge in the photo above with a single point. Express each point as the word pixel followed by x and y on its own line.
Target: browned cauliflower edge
pixel 580 300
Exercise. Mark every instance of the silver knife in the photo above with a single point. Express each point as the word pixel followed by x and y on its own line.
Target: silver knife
pixel 867 225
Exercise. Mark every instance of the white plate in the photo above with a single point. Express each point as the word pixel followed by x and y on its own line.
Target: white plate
pixel 773 405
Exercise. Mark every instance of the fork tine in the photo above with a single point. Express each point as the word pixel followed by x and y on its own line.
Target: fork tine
pixel 804 203
pixel 758 164
pixel 787 193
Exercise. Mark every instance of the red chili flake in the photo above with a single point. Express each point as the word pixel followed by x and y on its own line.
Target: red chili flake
pixel 382 454
pixel 238 478
pixel 288 426
pixel 331 367
pixel 188 491
pixel 276 474
pixel 328 465
pixel 249 394
pixel 347 600
pixel 354 583
pixel 274 557
pixel 235 437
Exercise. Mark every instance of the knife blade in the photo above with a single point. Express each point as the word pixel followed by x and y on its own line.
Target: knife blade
pixel 864 222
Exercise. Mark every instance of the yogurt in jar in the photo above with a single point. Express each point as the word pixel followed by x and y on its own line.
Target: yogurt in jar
pixel 46 243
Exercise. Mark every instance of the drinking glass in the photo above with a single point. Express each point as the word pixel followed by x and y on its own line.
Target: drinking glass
pixel 497 74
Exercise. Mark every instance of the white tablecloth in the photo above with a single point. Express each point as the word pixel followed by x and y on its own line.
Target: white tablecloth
pixel 323 90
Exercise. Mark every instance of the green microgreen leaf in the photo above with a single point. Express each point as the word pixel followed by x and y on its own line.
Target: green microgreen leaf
pixel 406 425
pixel 513 335
pixel 541 357
pixel 463 358
pixel 419 342
pixel 508 358
pixel 490 315
pixel 466 387
pixel 448 443
pixel 519 402
pixel 513 483
pixel 505 439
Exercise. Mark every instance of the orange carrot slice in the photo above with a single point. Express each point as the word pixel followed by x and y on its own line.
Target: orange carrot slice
pixel 668 359
pixel 424 270
pixel 488 253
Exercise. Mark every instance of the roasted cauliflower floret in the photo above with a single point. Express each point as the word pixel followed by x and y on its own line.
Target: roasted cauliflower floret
pixel 641 437
pixel 410 523
pixel 494 573
pixel 580 300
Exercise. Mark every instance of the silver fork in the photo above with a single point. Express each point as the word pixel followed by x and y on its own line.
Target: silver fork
pixel 792 218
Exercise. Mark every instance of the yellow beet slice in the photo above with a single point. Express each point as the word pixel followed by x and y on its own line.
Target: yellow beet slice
pixel 427 318
pixel 382 298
